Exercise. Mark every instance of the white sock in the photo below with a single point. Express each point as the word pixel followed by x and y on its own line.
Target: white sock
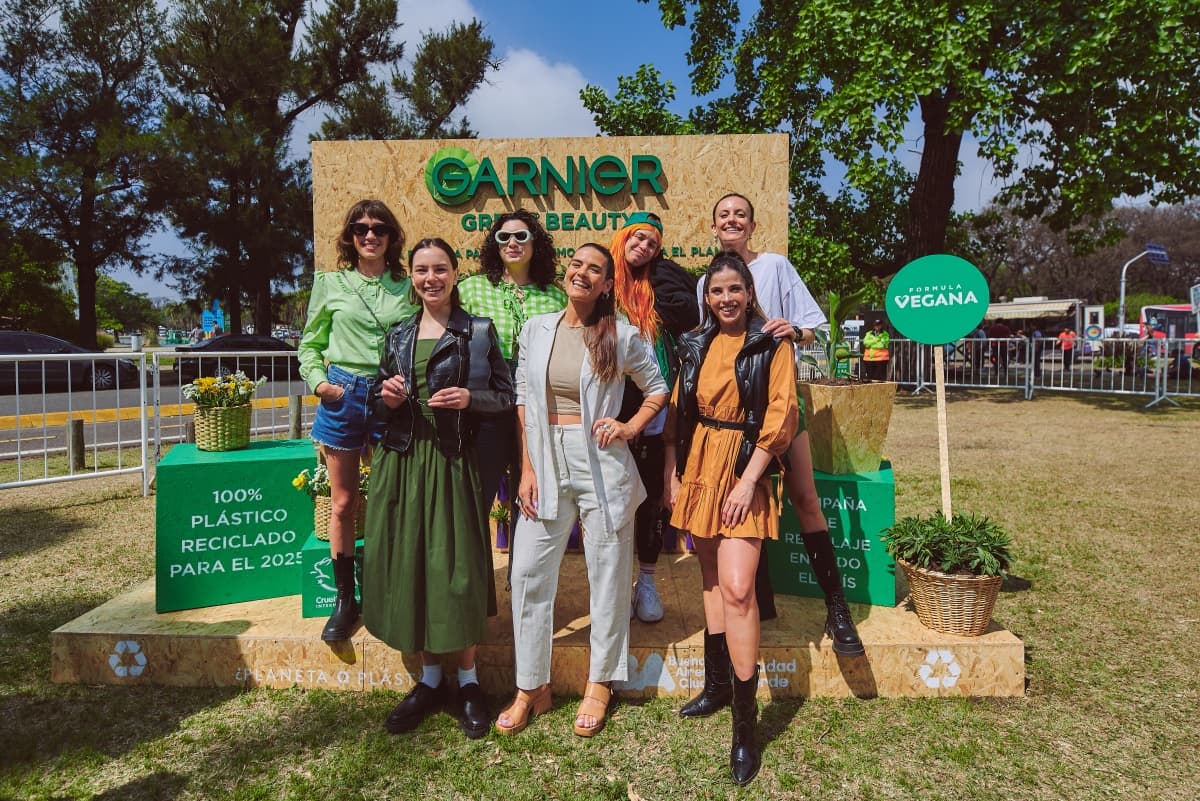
pixel 467 676
pixel 431 675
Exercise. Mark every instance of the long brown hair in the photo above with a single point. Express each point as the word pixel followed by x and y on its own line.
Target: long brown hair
pixel 376 210
pixel 600 332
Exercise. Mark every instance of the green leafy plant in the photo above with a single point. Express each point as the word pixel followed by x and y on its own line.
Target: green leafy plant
pixel 961 544
pixel 500 512
pixel 833 341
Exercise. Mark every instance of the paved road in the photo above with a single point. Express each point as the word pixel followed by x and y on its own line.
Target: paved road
pixel 31 424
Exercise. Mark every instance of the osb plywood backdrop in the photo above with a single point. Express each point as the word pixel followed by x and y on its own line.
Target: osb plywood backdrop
pixel 691 172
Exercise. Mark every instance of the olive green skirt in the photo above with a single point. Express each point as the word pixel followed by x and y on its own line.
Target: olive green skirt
pixel 427 564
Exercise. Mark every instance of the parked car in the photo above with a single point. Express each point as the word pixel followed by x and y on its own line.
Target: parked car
pixel 103 372
pixel 205 358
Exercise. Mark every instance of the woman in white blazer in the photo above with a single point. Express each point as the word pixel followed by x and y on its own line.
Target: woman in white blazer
pixel 576 463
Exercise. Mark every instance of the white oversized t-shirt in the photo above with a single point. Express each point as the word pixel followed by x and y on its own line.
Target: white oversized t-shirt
pixel 780 292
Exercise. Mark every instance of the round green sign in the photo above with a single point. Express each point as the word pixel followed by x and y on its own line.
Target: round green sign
pixel 937 299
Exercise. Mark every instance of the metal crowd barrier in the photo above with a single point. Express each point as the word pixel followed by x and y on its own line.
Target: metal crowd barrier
pixel 66 417
pixel 1160 368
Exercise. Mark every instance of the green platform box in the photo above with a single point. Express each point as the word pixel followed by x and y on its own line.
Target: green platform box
pixel 317 591
pixel 229 526
pixel 858 508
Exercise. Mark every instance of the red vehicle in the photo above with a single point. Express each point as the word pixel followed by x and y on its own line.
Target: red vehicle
pixel 1171 321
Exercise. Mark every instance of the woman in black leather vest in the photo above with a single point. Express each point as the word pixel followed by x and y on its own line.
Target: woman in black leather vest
pixel 428 561
pixel 732 418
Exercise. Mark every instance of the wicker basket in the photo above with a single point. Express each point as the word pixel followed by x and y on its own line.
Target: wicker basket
pixel 323 510
pixel 222 428
pixel 959 605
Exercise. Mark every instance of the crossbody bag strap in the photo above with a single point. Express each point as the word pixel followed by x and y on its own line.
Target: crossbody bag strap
pixel 367 306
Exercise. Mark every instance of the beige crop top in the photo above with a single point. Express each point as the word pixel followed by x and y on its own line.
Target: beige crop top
pixel 562 374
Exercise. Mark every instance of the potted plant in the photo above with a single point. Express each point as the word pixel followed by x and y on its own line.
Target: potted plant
pixel 847 418
pixel 316 484
pixel 954 568
pixel 222 410
pixel 502 517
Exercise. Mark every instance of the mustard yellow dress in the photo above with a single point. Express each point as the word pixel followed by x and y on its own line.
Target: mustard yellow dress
pixel 708 474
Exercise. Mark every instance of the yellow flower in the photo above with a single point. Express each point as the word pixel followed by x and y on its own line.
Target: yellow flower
pixel 298 482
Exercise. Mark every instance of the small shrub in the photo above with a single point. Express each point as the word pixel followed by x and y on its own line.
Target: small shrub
pixel 962 544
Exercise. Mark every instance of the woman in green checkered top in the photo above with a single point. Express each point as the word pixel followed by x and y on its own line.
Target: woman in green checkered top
pixel 517 282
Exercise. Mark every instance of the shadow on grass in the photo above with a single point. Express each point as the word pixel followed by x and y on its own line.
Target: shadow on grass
pixel 158 786
pixel 776 718
pixel 29 529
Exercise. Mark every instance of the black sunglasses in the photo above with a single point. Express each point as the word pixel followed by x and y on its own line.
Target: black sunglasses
pixel 522 236
pixel 379 229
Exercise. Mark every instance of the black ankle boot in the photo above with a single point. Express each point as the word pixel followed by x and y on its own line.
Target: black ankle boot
pixel 717 692
pixel 345 609
pixel 744 759
pixel 840 626
pixel 838 623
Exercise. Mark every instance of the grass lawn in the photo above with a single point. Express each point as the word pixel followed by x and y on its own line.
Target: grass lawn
pixel 1099 494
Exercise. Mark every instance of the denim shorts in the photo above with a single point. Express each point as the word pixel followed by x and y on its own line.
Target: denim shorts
pixel 346 424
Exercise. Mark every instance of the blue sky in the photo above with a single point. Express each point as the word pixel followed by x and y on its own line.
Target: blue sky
pixel 549 52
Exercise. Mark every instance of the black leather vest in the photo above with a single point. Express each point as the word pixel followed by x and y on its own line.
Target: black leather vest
pixel 752 371
pixel 467 355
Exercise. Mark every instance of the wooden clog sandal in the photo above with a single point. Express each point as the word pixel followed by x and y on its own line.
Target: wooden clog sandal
pixel 596 700
pixel 523 708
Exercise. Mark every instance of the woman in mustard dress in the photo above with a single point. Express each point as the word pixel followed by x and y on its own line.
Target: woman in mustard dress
pixel 726 432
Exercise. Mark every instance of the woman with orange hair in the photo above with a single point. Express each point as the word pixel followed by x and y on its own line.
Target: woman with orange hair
pixel 658 297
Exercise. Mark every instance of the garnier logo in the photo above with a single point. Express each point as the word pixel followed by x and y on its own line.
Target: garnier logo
pixel 453 175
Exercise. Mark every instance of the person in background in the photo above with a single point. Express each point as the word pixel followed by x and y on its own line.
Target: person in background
pixel 349 312
pixel 1066 341
pixel 790 312
pixel 516 282
pixel 1000 331
pixel 876 345
pixel 658 297
pixel 1038 347
pixel 576 464
pixel 734 415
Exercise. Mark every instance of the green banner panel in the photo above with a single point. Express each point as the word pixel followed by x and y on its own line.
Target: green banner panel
pixel 858 507
pixel 317 591
pixel 230 525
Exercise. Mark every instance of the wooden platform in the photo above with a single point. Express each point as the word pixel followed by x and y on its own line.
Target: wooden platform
pixel 267 644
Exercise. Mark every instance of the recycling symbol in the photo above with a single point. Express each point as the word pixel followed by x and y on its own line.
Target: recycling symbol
pixel 649 675
pixel 324 579
pixel 124 652
pixel 941 669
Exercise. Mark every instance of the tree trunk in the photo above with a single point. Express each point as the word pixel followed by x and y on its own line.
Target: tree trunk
pixel 933 196
pixel 85 261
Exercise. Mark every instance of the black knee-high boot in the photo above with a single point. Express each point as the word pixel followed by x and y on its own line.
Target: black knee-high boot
pixel 718 691
pixel 744 759
pixel 764 593
pixel 345 608
pixel 838 623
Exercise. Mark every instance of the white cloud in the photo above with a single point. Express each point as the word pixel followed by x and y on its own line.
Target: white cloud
pixel 530 97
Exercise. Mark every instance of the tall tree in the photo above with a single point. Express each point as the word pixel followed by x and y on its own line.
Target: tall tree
pixel 233 188
pixel 78 109
pixel 31 292
pixel 1073 104
pixel 242 73
pixel 447 69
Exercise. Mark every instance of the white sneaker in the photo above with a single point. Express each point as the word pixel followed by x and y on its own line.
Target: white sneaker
pixel 646 603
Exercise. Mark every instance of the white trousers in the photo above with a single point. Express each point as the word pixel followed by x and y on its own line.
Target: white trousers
pixel 538 548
